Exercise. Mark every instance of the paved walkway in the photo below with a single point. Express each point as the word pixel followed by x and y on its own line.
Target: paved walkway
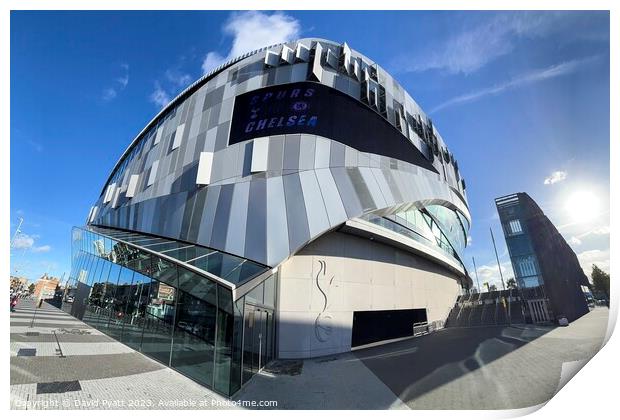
pixel 455 368
pixel 58 362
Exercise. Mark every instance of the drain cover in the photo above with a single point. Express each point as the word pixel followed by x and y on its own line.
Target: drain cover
pixel 27 352
pixel 285 367
pixel 32 334
pixel 58 387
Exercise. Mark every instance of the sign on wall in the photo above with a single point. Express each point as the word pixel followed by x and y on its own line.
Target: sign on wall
pixel 313 108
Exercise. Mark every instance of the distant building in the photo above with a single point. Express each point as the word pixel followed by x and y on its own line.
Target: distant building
pixel 45 287
pixel 540 256
pixel 18 283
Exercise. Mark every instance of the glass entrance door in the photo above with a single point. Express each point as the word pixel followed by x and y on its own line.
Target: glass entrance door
pixel 257 338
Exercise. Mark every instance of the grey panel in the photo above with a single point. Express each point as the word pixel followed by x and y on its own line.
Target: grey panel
pixel 208 215
pixel 256 235
pixel 306 152
pixel 276 153
pixel 222 217
pixel 316 214
pixel 291 152
pixel 235 238
pixel 331 197
pixel 347 192
pixel 296 217
pixel 277 228
pixel 336 157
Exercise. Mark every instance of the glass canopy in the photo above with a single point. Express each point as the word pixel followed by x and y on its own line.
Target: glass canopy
pixel 233 269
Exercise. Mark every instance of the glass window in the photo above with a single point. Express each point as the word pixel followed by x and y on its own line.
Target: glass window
pixel 225 323
pixel 91 316
pixel 515 227
pixel 119 303
pixel 159 318
pixel 135 311
pixel 194 332
pixel 255 295
pixel 270 292
pixel 110 281
pixel 237 346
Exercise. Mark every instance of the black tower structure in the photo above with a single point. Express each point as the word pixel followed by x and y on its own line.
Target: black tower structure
pixel 541 257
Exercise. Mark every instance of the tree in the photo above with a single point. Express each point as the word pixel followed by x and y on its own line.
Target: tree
pixel 31 288
pixel 492 288
pixel 600 280
pixel 511 283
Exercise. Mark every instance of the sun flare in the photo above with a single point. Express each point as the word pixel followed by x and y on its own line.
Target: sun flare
pixel 582 206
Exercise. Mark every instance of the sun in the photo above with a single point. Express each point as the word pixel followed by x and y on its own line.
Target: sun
pixel 582 206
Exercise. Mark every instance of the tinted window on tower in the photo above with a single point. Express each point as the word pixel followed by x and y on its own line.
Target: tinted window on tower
pixel 313 108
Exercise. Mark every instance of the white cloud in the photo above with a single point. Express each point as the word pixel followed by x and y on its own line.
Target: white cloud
pixel 594 256
pixel 120 83
pixel 480 44
pixel 108 94
pixel 252 30
pixel 44 248
pixel 23 241
pixel 555 177
pixel 574 241
pixel 26 242
pixel 177 78
pixel 530 77
pixel 489 273
pixel 159 96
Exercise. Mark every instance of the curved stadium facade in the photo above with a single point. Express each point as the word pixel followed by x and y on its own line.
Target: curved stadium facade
pixel 295 202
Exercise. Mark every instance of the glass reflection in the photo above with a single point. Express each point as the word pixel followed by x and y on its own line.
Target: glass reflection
pixel 194 332
pixel 119 304
pixel 135 311
pixel 159 321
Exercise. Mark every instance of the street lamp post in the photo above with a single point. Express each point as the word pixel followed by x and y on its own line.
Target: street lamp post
pixel 499 267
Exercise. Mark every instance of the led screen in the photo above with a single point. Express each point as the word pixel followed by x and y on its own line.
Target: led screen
pixel 313 108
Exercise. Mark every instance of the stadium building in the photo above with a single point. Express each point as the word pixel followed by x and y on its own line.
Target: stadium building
pixel 294 202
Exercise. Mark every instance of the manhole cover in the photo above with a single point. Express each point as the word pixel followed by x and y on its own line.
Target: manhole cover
pixel 58 387
pixel 27 352
pixel 32 334
pixel 285 367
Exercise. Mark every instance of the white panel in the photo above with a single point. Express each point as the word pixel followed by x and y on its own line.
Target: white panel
pixel 117 192
pixel 93 213
pixel 205 164
pixel 90 213
pixel 260 154
pixel 153 173
pixel 158 135
pixel 109 192
pixel 302 53
pixel 272 59
pixel 317 69
pixel 178 136
pixel 133 185
pixel 288 55
pixel 346 52
pixel 357 69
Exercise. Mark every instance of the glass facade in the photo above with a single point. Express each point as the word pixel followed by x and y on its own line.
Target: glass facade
pixel 170 313
pixel 524 261
pixel 434 226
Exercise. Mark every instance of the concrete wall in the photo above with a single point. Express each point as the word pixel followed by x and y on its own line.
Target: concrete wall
pixel 337 274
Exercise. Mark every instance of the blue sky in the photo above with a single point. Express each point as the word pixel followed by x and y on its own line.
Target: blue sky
pixel 521 98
